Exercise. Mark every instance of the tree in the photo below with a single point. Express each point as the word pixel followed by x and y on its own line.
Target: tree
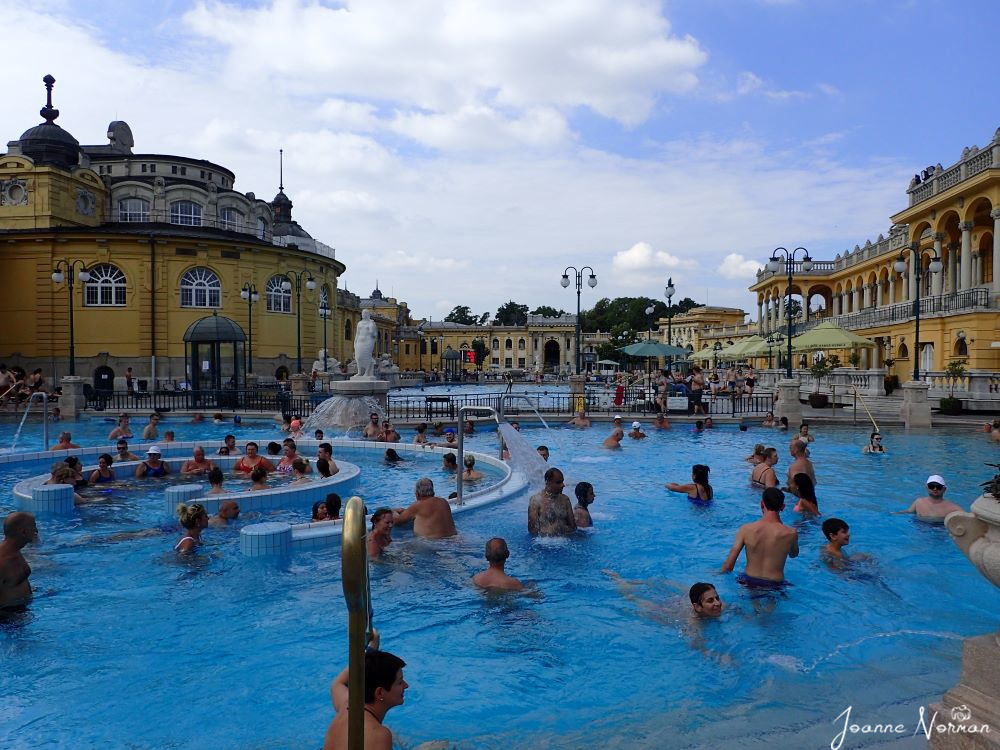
pixel 480 349
pixel 484 318
pixel 461 314
pixel 547 311
pixel 512 314
pixel 620 335
pixel 630 311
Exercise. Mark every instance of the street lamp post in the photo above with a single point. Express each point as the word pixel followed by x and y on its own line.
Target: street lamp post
pixel 669 293
pixel 249 294
pixel 900 267
pixel 774 265
pixel 324 313
pixel 774 339
pixel 591 282
pixel 69 266
pixel 287 286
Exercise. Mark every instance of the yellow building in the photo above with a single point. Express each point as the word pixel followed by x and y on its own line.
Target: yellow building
pixel 144 246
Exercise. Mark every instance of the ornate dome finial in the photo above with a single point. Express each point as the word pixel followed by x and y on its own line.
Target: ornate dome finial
pixel 48 112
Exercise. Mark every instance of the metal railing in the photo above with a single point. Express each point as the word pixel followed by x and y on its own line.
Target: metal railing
pixel 217 400
pixel 967 299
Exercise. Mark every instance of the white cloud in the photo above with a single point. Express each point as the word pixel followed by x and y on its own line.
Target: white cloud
pixel 735 266
pixel 750 83
pixel 482 128
pixel 642 258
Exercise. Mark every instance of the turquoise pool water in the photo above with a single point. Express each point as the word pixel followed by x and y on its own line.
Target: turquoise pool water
pixel 135 647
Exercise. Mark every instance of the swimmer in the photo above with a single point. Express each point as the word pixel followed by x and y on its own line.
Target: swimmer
pixel 259 478
pixel 325 451
pixel 388 433
pixel 699 425
pixel 381 534
pixel 318 435
pixel 384 690
pixel 123 430
pixel 168 437
pixel 151 431
pixel 698 490
pixel 65 443
pixel 449 463
pixel 580 420
pixel 229 510
pixel 636 432
pixel 763 474
pixel 757 457
pixel 543 451
pixel 152 466
pixel 584 498
pixel 705 600
pixel 804 435
pixel 768 543
pixel 103 473
pixel 932 507
pixel 470 474
pixel 194 519
pixel 550 512
pixel 614 440
pixel 421 437
pixel 300 468
pixel 124 454
pixel 198 463
pixel 709 423
pixel 782 423
pixel 838 536
pixel 431 515
pixel 19 530
pixel 391 456
pixel 802 487
pixel 495 577
pixel 215 479
pixel 874 444
pixel 661 422
pixel 768 420
pixel 800 461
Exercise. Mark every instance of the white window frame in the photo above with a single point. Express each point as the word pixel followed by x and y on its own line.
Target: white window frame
pixel 126 212
pixel 186 213
pixel 278 299
pixel 201 287
pixel 106 287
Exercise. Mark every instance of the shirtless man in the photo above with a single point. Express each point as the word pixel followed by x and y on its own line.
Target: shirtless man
pixel 198 464
pixel 124 454
pixel 151 431
pixel 431 515
pixel 65 443
pixel 768 542
pixel 19 529
pixel 381 533
pixel 229 510
pixel 933 506
pixel 388 433
pixel 636 432
pixel 449 463
pixel 661 422
pixel 495 577
pixel 614 440
pixel 325 450
pixel 550 513
pixel 800 463
pixel 372 429
pixel 580 420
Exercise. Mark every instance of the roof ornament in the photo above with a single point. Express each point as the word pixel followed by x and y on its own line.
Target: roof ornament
pixel 48 112
pixel 281 169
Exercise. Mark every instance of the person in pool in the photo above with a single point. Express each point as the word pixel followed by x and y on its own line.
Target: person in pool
pixel 198 463
pixel 802 487
pixel 470 474
pixel 782 423
pixel 381 534
pixel 804 434
pixel 874 444
pixel 698 490
pixel 384 690
pixel 391 456
pixel 19 530
pixel 300 469
pixel 124 454
pixel 153 466
pixel 103 473
pixel 325 451
pixel 229 510
pixel 123 430
pixel 550 512
pixel 763 474
pixel 495 577
pixel 705 600
pixel 151 431
pixel 838 536
pixel 768 543
pixel 801 464
pixel 449 462
pixel 371 430
pixel 215 479
pixel 757 457
pixel 259 478
pixel 194 519
pixel 614 440
pixel 580 420
pixel 431 515
pixel 636 432
pixel 932 507
pixel 584 498
pixel 768 420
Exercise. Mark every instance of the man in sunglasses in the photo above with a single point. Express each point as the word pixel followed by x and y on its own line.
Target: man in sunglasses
pixel 933 507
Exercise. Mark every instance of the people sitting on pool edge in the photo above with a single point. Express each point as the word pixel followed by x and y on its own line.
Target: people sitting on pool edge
pixel 801 485
pixel 495 577
pixel 585 497
pixel 194 520
pixel 932 507
pixel 550 512
pixel 153 466
pixel 874 444
pixel 768 544
pixel 380 536
pixel 229 510
pixel 698 490
pixel 103 473
pixel 431 515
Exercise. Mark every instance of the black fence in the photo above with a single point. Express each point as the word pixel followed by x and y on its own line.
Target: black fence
pixel 266 400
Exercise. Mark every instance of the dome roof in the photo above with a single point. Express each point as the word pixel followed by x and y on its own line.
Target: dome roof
pixel 451 354
pixel 214 327
pixel 281 199
pixel 48 143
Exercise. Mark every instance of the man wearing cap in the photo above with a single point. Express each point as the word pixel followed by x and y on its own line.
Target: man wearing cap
pixel 614 440
pixel 152 466
pixel 932 507
pixel 636 432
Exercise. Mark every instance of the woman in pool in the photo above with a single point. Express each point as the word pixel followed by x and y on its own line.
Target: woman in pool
pixel 470 474
pixel 123 430
pixel 584 497
pixel 216 478
pixel 153 466
pixel 421 437
pixel 802 485
pixel 763 473
pixel 391 456
pixel 783 423
pixel 73 462
pixel 320 512
pixel 103 473
pixel 768 420
pixel 757 456
pixel 290 454
pixel 469 428
pixel 299 470
pixel 259 477
pixel 252 460
pixel 698 490
pixel 874 444
pixel 323 468
pixel 194 519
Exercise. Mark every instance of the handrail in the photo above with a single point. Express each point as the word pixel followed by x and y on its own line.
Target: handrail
pixel 857 396
pixel 462 411
pixel 354 575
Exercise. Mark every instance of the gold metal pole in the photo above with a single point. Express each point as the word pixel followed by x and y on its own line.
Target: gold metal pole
pixel 354 573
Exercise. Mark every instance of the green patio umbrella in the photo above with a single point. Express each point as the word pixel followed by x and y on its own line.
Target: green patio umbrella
pixel 706 353
pixel 740 348
pixel 653 349
pixel 828 335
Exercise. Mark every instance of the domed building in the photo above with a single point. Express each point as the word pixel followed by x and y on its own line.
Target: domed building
pixel 111 255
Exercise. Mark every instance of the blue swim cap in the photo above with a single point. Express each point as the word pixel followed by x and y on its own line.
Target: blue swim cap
pixel 237 419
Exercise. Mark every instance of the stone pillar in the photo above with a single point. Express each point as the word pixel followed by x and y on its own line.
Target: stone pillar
pixel 788 404
pixel 836 303
pixel 781 323
pixel 877 294
pixel 578 392
pixel 866 296
pixel 857 299
pixel 953 267
pixel 300 384
pixel 916 409
pixel 72 401
pixel 996 250
pixel 760 317
pixel 892 287
pixel 977 269
pixel 977 689
pixel 966 263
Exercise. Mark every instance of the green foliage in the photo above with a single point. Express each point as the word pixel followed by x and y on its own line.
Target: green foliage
pixel 629 312
pixel 548 311
pixel 992 486
pixel 954 371
pixel 461 314
pixel 621 335
pixel 512 314
pixel 484 318
pixel 854 359
pixel 820 369
pixel 481 350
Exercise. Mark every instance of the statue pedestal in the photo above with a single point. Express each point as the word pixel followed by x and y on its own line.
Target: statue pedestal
pixel 360 387
pixel 788 404
pixel 916 409
pixel 974 702
pixel 72 401
pixel 300 384
pixel 578 391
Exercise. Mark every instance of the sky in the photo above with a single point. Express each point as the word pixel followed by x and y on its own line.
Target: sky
pixel 465 152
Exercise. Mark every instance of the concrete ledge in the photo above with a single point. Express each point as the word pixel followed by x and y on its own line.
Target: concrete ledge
pixel 55 499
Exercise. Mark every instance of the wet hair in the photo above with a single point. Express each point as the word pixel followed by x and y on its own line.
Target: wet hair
pixel 700 474
pixel 743 428
pixel 73 462
pixel 333 503
pixel 452 495
pixel 259 473
pixel 422 428
pixel 450 459
pixel 542 448
pixel 699 424
pixel 391 455
pixel 379 514
pixel 273 448
pixel 874 435
pixel 833 525
pixel 783 421
pixel 469 461
pixel 803 424
pixel 424 487
pixel 122 444
pixel 224 450
pixel 551 473
pixel 326 447
pixel 323 467
pixel 300 465
pixel 773 499
pixel 806 488
pixel 189 514
pixel 215 476
pixel 107 457
pixel 758 449
pixel 496 550
pixel 381 669
pixel 64 436
pixel 583 490
pixel 227 438
pixel 316 506
pixel 64 475
pixel 698 590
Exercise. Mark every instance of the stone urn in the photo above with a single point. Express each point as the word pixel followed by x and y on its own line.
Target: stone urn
pixel 977 534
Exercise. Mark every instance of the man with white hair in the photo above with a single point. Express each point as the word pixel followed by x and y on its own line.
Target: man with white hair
pixel 431 515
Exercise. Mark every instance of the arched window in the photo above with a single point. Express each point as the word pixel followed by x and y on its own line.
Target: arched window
pixel 106 287
pixel 903 352
pixel 961 348
pixel 324 301
pixel 347 330
pixel 496 343
pixel 261 228
pixel 185 213
pixel 520 344
pixel 133 209
pixel 508 344
pixel 231 219
pixel 278 298
pixel 200 287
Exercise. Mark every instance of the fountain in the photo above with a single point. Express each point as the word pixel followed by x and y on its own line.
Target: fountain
pixel 354 399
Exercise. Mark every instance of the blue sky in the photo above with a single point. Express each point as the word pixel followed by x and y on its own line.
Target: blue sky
pixel 465 152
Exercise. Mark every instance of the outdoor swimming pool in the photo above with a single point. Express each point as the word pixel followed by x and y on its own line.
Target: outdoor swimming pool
pixel 225 651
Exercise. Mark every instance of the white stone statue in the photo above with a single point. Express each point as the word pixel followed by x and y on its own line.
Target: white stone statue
pixel 332 364
pixel 364 344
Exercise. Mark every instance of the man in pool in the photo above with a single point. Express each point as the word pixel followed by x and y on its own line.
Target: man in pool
pixel 495 577
pixel 124 454
pixel 230 446
pixel 705 600
pixel 19 530
pixel 431 515
pixel 325 450
pixel 768 543
pixel 543 451
pixel 614 440
pixel 932 507
pixel 372 429
pixel 65 443
pixel 580 420
pixel 198 463
pixel 151 431
pixel 550 512
pixel 800 462
pixel 229 510
pixel 636 432
pixel 449 462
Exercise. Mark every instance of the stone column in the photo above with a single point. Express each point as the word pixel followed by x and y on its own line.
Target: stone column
pixel 977 269
pixel 916 409
pixel 857 299
pixel 953 267
pixel 911 278
pixel 996 250
pixel 760 317
pixel 72 402
pixel 877 294
pixel 781 323
pixel 866 296
pixel 966 263
pixel 836 303
pixel 892 287
pixel 977 689
pixel 788 404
